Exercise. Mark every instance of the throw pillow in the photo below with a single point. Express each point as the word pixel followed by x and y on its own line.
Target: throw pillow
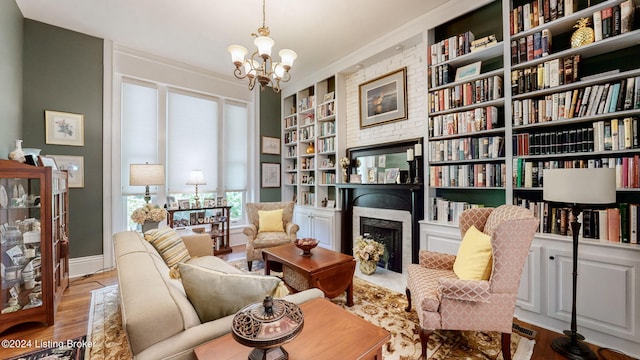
pixel 474 259
pixel 270 220
pixel 216 294
pixel 169 245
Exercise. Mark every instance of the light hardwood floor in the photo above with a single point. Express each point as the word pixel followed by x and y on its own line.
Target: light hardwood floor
pixel 72 316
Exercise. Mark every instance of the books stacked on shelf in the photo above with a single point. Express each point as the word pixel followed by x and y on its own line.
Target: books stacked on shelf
pixel 290 121
pixel 467 175
pixel 614 20
pixel 306 103
pixel 441 75
pixel 465 122
pixel 292 151
pixel 290 136
pixel 539 12
pixel 488 147
pixel 469 93
pixel 585 101
pixel 328 128
pixel 530 174
pixel 483 42
pixel 326 110
pixel 326 145
pixel 451 47
pixel 447 211
pixel 328 178
pixel 554 142
pixel 307 198
pixel 614 224
pixel 531 47
pixel 545 75
pixel 307 132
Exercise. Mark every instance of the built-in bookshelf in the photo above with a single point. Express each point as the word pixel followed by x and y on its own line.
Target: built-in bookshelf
pixel 466 143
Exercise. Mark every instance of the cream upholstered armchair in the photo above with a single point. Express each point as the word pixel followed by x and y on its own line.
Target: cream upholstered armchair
pixel 444 301
pixel 272 234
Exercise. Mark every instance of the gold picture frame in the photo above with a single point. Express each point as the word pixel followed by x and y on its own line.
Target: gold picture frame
pixel 62 128
pixel 383 99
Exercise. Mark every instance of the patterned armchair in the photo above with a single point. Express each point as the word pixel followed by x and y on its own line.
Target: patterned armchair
pixel 443 301
pixel 256 240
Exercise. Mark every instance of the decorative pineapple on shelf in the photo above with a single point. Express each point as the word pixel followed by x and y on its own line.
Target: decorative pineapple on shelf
pixel 583 35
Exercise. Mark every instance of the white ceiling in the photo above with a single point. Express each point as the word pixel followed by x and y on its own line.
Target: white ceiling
pixel 197 32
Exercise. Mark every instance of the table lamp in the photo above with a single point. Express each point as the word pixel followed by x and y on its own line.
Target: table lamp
pixel 196 178
pixel 146 175
pixel 577 187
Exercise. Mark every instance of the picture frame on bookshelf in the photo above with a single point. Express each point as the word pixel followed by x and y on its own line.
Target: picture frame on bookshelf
pixel 383 99
pixel 47 161
pixel 331 204
pixel 62 128
pixel 328 96
pixel 270 175
pixel 172 204
pixel 270 145
pixel 467 71
pixel 185 205
pixel 74 165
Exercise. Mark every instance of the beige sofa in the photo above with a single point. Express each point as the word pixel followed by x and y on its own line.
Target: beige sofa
pixel 159 320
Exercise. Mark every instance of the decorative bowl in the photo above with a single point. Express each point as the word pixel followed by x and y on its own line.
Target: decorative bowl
pixel 306 244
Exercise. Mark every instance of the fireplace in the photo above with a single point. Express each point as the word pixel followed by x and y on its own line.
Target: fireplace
pixel 389 233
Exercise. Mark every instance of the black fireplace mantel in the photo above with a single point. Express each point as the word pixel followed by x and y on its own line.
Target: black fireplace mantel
pixel 407 197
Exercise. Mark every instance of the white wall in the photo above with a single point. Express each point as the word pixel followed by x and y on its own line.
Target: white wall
pixel 415 125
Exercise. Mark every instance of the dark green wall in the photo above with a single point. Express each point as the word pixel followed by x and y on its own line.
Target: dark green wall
pixel 269 126
pixel 63 71
pixel 10 76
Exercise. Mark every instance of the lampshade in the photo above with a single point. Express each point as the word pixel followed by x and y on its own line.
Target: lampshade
pixel 146 174
pixel 196 178
pixel 287 56
pixel 580 185
pixel 237 53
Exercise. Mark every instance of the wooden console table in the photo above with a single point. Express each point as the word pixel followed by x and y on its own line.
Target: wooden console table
pixel 329 332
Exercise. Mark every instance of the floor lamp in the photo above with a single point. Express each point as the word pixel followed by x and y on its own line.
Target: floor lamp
pixel 577 188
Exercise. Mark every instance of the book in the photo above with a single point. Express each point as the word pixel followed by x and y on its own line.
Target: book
pixel 624 222
pixel 633 223
pixel 603 225
pixel 613 224
pixel 626 16
pixel 597 25
pixel 629 94
pixel 607 22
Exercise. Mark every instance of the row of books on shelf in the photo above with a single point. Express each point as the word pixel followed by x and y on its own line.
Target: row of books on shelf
pixel 614 20
pixel 469 93
pixel 447 211
pixel 617 224
pixel 530 174
pixel 538 12
pixel 586 101
pixel 307 133
pixel 290 121
pixel 327 128
pixel 487 147
pixel 328 178
pixel 465 122
pixel 468 175
pixel 307 198
pixel 451 47
pixel 290 136
pixel 292 151
pixel 531 47
pixel 306 103
pixel 327 109
pixel 545 75
pixel 603 135
pixel 326 145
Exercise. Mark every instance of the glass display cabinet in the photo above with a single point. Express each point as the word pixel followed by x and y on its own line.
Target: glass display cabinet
pixel 34 242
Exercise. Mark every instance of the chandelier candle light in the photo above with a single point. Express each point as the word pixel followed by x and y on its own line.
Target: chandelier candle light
pixel 260 66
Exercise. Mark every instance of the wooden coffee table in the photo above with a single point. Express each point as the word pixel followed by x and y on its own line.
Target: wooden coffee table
pixel 329 332
pixel 327 270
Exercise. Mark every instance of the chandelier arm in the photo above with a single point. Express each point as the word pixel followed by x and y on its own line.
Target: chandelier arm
pixel 238 73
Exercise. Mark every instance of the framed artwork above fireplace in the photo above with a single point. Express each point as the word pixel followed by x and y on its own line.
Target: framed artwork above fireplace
pixel 384 99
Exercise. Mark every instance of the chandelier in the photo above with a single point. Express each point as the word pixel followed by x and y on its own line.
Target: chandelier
pixel 260 66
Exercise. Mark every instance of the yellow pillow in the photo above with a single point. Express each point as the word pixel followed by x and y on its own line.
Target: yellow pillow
pixel 270 220
pixel 169 244
pixel 474 260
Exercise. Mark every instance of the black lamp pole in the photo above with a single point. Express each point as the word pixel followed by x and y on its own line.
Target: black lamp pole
pixel 570 345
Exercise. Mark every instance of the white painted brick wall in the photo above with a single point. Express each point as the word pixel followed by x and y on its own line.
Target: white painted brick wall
pixel 414 59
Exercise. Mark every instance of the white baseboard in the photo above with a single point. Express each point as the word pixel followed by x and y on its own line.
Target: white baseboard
pixel 86 265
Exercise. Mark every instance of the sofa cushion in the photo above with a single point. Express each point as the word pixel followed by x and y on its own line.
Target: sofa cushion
pixel 168 244
pixel 473 261
pixel 215 294
pixel 270 220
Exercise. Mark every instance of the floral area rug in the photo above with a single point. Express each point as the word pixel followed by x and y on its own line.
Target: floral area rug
pixel 104 331
pixel 73 349
pixel 385 308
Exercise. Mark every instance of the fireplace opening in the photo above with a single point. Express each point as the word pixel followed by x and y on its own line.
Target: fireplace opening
pixel 389 233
